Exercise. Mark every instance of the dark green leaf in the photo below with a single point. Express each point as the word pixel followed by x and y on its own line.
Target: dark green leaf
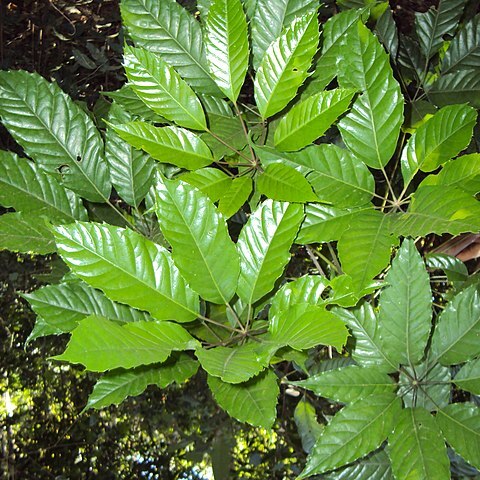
pixel 459 87
pixel 468 378
pixel 307 425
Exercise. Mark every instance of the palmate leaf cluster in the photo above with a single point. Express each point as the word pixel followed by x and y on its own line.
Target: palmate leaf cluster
pixel 241 132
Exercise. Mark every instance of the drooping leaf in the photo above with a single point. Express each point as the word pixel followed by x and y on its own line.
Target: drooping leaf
pixel 128 268
pixel 114 387
pixel 459 87
pixel 170 144
pixel 235 196
pixel 226 45
pixel 252 402
pixel 131 170
pixel 211 181
pixel 162 89
pixel 355 431
pixel 349 383
pixel 264 247
pixel 285 64
pixel 197 232
pixel 455 339
pixel 371 128
pixel 307 425
pixel 100 344
pixel 310 119
pixel 416 447
pixel 460 423
pixel 167 29
pixel 36 113
pixel 468 377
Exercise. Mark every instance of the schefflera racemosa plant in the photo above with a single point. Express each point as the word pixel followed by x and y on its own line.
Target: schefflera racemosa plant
pixel 215 178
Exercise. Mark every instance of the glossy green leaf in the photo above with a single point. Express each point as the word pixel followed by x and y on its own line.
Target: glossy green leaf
pixel 435 23
pixel 460 423
pixel 128 268
pixel 346 293
pixel 455 269
pixel 167 29
pixel 114 387
pixel 355 431
pixel 264 247
pixel 349 383
pixel 42 329
pixel 459 87
pixel 304 326
pixel 307 425
pixel 235 196
pixel 438 140
pixel 406 307
pixel 310 119
pixel 285 65
pixel 416 447
pixel 197 232
pixel 371 128
pixel 468 378
pixel 25 233
pixel 282 182
pixel 162 89
pixel 171 144
pixel 253 402
pixel 131 170
pixel 387 33
pixel 226 45
pixel 455 339
pixel 36 113
pixel 100 344
pixel 211 181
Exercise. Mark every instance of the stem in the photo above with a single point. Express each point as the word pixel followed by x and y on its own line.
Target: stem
pixel 218 324
pixel 245 131
pixel 216 137
pixel 237 318
pixel 314 260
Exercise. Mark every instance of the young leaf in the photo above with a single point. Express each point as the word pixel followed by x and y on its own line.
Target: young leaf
pixel 406 307
pixel 237 194
pixel 167 29
pixel 114 387
pixel 211 181
pixel 264 247
pixel 162 89
pixel 197 232
pixel 356 430
pixel 128 268
pixel 171 144
pixel 307 425
pixel 455 339
pixel 226 44
pixel 310 119
pixel 252 402
pixel 285 65
pixel 36 113
pixel 460 423
pixel 468 378
pixel 100 344
pixel 416 447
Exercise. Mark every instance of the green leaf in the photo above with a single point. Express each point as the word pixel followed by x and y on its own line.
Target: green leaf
pixel 364 249
pixel 237 364
pixel 310 119
pixel 438 140
pixel 349 383
pixel 114 387
pixel 226 45
pixel 100 344
pixel 167 29
pixel 372 127
pixel 128 268
pixel 455 269
pixel 211 181
pixel 460 423
pixel 346 293
pixel 162 89
pixel 304 326
pixel 264 247
pixel 416 447
pixel 132 171
pixel 282 182
pixel 27 188
pixel 237 194
pixel 25 233
pixel 406 307
pixel 253 402
pixel 285 65
pixel 355 431
pixel 435 23
pixel 63 306
pixel 270 18
pixel 468 377
pixel 171 144
pixel 386 30
pixel 459 87
pixel 307 425
pixel 42 329
pixel 455 339
pixel 36 113
pixel 197 232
